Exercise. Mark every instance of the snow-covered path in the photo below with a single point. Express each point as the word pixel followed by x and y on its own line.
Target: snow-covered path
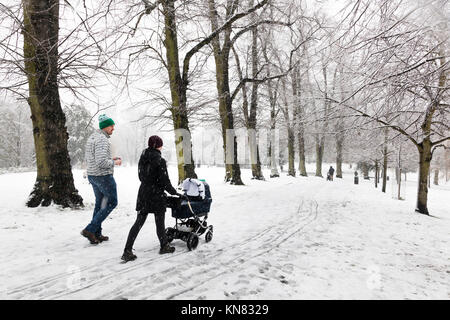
pixel 287 238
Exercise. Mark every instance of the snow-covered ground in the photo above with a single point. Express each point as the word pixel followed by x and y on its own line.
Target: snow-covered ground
pixel 286 238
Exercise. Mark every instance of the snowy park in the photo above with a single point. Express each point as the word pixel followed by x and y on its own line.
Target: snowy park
pixel 287 238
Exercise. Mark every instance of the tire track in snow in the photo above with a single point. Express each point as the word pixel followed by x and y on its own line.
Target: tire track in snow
pixel 34 286
pixel 133 266
pixel 272 237
pixel 232 266
pixel 42 286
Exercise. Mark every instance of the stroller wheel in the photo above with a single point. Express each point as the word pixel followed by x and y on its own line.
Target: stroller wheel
pixel 208 236
pixel 170 233
pixel 192 241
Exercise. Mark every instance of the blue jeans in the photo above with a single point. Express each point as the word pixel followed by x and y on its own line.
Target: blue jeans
pixel 105 201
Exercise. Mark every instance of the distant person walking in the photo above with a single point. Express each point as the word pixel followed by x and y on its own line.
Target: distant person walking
pixel 330 174
pixel 100 169
pixel 152 171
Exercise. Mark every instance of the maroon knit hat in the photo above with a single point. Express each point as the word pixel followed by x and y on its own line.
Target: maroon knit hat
pixel 155 142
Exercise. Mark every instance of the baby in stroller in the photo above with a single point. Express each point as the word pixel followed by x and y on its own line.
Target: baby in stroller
pixel 191 213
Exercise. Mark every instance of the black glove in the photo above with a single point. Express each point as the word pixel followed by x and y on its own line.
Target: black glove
pixel 182 196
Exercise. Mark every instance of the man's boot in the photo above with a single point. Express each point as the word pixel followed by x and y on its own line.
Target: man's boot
pixel 102 238
pixel 91 237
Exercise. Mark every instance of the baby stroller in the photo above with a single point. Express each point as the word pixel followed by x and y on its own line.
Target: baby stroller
pixel 330 174
pixel 191 213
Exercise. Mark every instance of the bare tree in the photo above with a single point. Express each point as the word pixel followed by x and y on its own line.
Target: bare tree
pixel 54 182
pixel 180 75
pixel 222 52
pixel 272 91
pixel 407 54
pixel 40 58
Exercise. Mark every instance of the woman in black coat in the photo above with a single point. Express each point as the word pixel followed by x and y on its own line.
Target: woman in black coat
pixel 151 198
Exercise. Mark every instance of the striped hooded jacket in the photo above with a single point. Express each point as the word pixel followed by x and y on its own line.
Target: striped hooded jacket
pixel 98 154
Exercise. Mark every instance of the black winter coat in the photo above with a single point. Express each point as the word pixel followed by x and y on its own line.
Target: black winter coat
pixel 155 180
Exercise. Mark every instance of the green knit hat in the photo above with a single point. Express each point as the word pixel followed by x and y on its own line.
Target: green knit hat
pixel 104 121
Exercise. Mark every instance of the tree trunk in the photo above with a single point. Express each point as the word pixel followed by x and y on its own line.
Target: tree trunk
pixel 424 168
pixel 340 135
pixel 376 174
pixel 291 134
pixel 320 138
pixel 397 178
pixel 54 181
pixel 273 162
pixel 273 96
pixel 273 139
pixel 301 152
pixel 339 147
pixel 319 156
pixel 365 171
pixel 299 117
pixel 178 89
pixel 233 172
pixel 436 177
pixel 255 160
pixel 291 152
pixel 257 170
pixel 385 161
pixel 221 58
pixel 253 138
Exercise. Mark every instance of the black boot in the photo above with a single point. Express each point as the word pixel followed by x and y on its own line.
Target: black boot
pixel 167 248
pixel 128 255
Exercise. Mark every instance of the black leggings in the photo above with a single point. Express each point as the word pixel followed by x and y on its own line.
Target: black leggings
pixel 140 220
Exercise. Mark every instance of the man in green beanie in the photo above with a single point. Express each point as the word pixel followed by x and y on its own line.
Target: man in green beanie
pixel 100 170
